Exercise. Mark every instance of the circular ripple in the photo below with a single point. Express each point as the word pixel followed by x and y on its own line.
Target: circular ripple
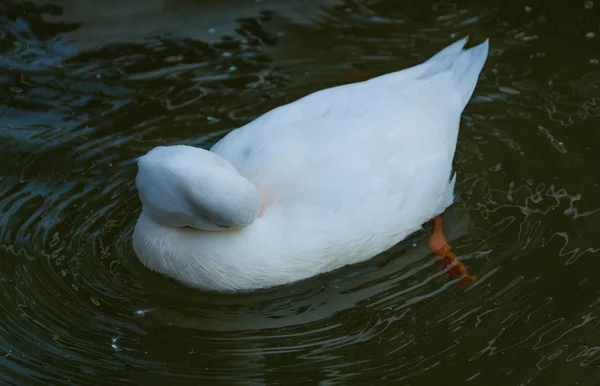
pixel 78 307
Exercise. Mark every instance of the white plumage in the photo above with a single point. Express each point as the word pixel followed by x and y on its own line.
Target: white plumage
pixel 342 175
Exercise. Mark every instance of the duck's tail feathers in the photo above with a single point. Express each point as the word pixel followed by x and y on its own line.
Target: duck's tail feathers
pixel 466 66
pixel 452 51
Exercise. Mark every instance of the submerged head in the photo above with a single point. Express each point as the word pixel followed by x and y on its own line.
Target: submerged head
pixel 186 186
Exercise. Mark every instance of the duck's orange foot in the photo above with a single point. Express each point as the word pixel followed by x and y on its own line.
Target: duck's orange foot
pixel 444 254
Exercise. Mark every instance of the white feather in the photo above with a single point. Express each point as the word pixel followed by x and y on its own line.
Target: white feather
pixel 343 174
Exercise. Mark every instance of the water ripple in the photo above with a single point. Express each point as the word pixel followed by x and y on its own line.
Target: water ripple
pixel 77 305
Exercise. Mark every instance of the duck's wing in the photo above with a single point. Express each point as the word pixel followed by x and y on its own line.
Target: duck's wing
pixel 345 144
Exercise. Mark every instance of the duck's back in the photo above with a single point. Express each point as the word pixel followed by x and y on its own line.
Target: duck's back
pixel 378 151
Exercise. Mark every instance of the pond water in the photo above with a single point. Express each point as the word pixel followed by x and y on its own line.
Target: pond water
pixel 89 85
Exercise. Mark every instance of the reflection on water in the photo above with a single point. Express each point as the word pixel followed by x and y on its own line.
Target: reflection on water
pixel 87 87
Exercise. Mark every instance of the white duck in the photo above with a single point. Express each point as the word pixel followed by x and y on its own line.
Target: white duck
pixel 331 179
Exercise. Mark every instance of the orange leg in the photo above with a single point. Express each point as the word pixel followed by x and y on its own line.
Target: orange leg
pixel 443 252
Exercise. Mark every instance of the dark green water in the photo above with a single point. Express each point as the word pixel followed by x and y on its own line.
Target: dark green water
pixel 87 86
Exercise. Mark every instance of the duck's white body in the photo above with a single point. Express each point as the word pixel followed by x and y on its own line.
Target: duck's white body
pixel 342 175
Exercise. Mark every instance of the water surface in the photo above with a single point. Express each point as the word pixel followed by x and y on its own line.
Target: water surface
pixel 88 86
